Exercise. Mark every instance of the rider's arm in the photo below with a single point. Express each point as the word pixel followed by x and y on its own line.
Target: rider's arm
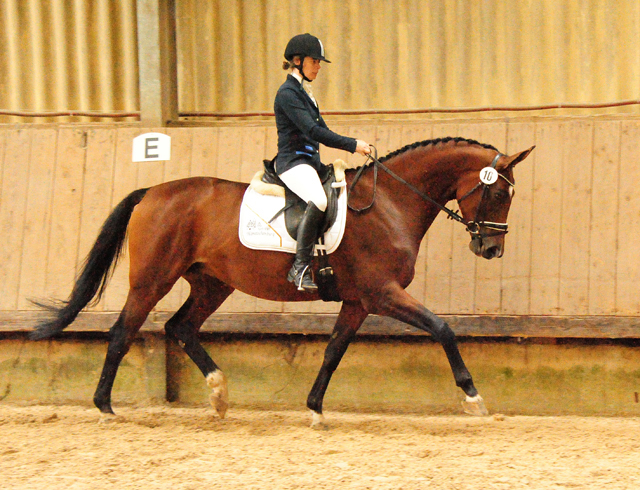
pixel 316 129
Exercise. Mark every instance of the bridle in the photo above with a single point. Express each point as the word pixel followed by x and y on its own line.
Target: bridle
pixel 474 227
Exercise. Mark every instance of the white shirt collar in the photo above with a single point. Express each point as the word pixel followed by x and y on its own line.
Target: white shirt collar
pixel 306 87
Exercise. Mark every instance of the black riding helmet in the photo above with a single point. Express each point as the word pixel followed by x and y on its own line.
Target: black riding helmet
pixel 304 45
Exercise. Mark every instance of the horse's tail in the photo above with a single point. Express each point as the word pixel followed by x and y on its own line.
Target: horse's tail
pixel 96 270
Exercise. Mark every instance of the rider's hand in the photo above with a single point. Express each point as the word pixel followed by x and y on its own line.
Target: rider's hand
pixel 363 147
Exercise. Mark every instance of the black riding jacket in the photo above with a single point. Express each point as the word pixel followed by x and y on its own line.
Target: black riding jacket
pixel 301 129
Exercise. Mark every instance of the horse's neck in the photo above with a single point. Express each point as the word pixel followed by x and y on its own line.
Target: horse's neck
pixel 433 172
pixel 395 208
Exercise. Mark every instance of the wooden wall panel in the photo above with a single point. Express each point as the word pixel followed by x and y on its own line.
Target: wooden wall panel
pixel 3 141
pixel 628 260
pixel 271 144
pixel 576 216
pixel 603 233
pixel 204 151
pixel 15 178
pixel 547 219
pixel 229 153
pixel 571 249
pixel 252 152
pixel 179 167
pixel 516 261
pixel 38 217
pixel 388 138
pixel 66 211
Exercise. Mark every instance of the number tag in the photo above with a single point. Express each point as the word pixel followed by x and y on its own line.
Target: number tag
pixel 488 175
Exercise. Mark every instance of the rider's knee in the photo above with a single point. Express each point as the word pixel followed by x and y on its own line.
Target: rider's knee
pixel 320 202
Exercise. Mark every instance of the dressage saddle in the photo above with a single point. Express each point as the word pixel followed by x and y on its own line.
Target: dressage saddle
pixel 294 209
pixel 294 206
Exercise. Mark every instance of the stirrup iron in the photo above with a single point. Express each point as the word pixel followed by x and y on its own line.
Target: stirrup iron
pixel 297 277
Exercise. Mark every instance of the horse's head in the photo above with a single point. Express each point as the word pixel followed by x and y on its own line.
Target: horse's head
pixel 484 193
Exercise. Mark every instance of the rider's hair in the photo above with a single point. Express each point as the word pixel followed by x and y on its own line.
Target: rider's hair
pixel 287 65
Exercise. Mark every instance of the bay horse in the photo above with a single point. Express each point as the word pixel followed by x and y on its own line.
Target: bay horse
pixel 189 228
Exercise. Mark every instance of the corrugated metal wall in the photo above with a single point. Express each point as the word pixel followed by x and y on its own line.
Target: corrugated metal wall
pixel 387 54
pixel 409 54
pixel 68 55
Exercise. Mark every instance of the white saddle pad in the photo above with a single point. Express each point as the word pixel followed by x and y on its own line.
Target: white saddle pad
pixel 256 232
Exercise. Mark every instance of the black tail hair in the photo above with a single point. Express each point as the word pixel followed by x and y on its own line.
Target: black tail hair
pixel 97 269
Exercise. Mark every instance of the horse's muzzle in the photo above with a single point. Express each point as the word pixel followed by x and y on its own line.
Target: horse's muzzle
pixel 488 247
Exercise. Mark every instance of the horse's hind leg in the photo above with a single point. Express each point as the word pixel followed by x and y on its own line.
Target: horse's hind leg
pixel 207 294
pixel 139 304
pixel 349 321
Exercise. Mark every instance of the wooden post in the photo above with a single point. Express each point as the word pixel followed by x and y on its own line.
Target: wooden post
pixel 157 61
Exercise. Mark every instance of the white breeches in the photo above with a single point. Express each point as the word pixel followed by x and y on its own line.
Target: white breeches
pixel 304 181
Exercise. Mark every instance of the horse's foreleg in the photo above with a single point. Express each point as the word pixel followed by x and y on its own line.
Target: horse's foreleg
pixel 349 321
pixel 207 294
pixel 441 332
pixel 403 307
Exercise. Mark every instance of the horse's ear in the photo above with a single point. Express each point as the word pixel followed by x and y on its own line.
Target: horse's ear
pixel 513 160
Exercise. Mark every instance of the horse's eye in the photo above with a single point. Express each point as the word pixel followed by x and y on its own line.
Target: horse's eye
pixel 501 195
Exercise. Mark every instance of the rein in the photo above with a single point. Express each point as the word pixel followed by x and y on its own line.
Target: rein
pixel 473 227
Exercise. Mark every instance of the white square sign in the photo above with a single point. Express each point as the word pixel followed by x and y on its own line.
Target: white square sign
pixel 150 147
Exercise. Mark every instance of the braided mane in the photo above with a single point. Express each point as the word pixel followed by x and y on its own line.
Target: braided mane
pixel 434 142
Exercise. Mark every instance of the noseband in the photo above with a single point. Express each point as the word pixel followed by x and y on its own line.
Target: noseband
pixel 473 227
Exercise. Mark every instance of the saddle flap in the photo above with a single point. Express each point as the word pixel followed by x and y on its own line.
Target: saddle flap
pixel 295 206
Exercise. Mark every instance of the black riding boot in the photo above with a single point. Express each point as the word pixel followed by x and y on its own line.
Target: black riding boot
pixel 300 273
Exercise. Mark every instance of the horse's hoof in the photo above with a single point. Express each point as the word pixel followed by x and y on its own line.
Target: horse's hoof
pixel 318 422
pixel 219 397
pixel 474 405
pixel 108 418
pixel 219 405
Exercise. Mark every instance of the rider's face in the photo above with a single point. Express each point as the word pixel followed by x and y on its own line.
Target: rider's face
pixel 311 67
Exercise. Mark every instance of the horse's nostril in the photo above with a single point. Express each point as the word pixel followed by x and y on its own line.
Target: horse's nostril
pixel 491 252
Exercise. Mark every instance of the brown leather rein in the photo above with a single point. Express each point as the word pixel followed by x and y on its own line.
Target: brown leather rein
pixel 473 227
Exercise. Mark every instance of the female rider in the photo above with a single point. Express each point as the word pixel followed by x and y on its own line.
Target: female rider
pixel 301 129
